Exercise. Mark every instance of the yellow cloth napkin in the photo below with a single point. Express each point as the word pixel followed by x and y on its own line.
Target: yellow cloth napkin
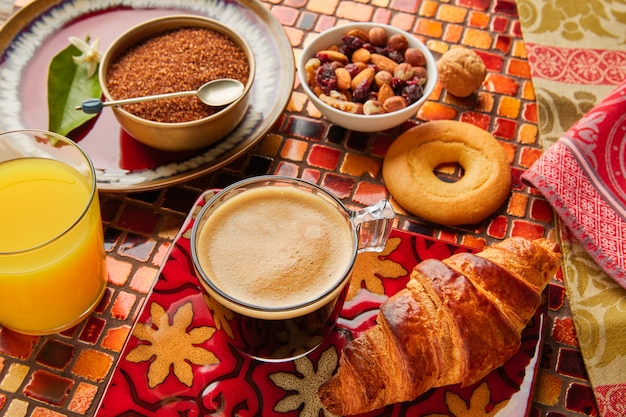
pixel 577 54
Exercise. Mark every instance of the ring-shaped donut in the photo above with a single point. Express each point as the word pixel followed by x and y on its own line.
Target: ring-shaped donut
pixel 410 162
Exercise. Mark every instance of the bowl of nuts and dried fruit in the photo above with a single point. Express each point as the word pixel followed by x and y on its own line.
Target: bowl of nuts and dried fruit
pixel 367 76
pixel 171 54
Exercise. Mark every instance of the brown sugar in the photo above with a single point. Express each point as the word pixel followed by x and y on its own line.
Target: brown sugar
pixel 177 60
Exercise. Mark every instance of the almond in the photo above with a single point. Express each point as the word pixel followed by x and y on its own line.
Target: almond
pixel 361 55
pixel 328 55
pixel 343 78
pixel 383 63
pixel 367 73
pixel 359 33
pixel 385 92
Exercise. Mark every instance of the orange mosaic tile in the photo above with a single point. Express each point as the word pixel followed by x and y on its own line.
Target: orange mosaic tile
pixel 143 279
pixel 530 112
pixel 429 27
pixel 45 412
pixel 436 111
pixel 453 34
pixel 368 193
pixel 14 377
pixel 294 150
pixel 93 365
pixel 518 203
pixel 548 389
pixel 16 408
pixel 479 20
pixel 115 338
pixel 518 50
pixel 528 157
pixel 119 271
pixel 527 134
pixel 161 253
pixel 384 16
pixel 404 21
pixel 475 38
pixel 359 165
pixel 123 305
pixel 452 14
pixel 485 102
pixel 519 68
pixel 501 84
pixel 428 8
pixel 354 11
pixel 528 91
pixel 527 229
pixel 563 331
pixel 322 6
pixel 83 398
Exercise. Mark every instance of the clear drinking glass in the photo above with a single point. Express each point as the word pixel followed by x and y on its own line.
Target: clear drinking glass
pixel 275 256
pixel 52 259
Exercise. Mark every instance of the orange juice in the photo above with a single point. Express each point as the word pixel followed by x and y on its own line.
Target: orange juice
pixel 52 260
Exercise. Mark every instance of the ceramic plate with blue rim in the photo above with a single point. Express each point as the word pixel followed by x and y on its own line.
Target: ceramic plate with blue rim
pixel 39 31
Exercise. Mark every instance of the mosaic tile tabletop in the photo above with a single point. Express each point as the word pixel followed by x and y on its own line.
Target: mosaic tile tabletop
pixel 66 374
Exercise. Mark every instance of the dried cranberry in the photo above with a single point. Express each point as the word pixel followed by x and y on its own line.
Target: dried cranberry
pixel 362 92
pixel 412 92
pixel 374 49
pixel 345 49
pixel 325 77
pixel 352 42
pixel 352 69
pixel 395 55
pixel 397 84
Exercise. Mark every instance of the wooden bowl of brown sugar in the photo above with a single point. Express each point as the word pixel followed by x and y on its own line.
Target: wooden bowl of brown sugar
pixel 171 54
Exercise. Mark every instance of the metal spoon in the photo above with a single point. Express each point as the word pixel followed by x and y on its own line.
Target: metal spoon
pixel 214 93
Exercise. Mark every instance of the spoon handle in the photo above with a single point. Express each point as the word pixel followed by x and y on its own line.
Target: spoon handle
pixel 95 105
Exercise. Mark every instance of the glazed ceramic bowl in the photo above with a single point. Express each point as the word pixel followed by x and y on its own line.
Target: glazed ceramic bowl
pixel 177 136
pixel 362 122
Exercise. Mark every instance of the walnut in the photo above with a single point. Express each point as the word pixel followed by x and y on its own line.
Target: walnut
pixel 461 71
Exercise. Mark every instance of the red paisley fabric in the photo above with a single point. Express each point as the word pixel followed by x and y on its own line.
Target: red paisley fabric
pixel 583 176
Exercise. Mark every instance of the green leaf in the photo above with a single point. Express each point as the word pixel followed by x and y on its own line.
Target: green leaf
pixel 68 87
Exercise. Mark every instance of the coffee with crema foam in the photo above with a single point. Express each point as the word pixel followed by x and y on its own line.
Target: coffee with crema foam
pixel 276 246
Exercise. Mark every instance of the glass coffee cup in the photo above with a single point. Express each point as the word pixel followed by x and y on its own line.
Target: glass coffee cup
pixel 275 256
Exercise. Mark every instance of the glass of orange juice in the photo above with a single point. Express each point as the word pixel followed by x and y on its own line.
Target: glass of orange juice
pixel 52 259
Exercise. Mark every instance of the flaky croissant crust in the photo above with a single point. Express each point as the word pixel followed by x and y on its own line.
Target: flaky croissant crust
pixel 456 321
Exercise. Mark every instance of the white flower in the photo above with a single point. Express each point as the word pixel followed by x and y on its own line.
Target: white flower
pixel 91 54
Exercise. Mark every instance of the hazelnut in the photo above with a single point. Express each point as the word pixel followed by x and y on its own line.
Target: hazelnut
pixel 377 36
pixel 398 42
pixel 414 57
pixel 394 103
pixel 404 71
pixel 373 107
pixel 461 71
pixel 383 77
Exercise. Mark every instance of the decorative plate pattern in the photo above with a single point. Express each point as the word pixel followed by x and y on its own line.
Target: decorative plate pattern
pixel 178 362
pixel 29 41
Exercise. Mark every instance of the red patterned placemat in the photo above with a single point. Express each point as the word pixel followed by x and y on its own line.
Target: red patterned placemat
pixel 176 360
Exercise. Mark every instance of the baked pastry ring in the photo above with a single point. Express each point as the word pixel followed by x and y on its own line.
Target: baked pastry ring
pixel 408 171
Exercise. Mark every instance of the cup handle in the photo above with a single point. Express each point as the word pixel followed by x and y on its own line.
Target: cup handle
pixel 373 225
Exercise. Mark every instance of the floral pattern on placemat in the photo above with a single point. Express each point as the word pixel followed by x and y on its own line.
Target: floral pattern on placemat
pixel 176 362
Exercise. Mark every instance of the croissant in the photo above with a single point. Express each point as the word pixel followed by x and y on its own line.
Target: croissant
pixel 456 321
